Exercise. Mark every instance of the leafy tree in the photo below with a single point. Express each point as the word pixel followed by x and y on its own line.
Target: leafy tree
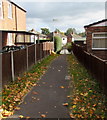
pixel 45 31
pixel 70 30
pixel 82 34
pixel 57 30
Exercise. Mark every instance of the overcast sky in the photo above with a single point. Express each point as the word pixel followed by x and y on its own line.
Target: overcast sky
pixel 65 14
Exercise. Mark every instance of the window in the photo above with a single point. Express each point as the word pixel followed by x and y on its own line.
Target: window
pixel 10 10
pixel 20 38
pixel 99 40
pixel 32 38
pixel 9 40
pixel 1 11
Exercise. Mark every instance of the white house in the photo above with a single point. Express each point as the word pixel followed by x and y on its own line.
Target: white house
pixel 64 40
pixel 63 37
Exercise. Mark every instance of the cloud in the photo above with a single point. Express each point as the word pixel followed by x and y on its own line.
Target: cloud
pixel 67 14
pixel 60 0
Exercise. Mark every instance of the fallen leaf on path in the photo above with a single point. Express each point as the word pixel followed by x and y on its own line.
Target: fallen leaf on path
pixel 83 109
pixel 65 104
pixel 1 109
pixel 17 108
pixel 91 111
pixel 35 85
pixel 74 106
pixel 38 99
pixel 18 78
pixel 35 93
pixel 71 115
pixel 6 113
pixel 68 96
pixel 43 115
pixel 27 117
pixel 21 116
pixel 34 98
pixel 62 87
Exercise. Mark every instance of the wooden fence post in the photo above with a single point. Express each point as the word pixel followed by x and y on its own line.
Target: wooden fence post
pixel 45 49
pixel 27 57
pixel 12 66
pixel 35 54
pixel 1 61
pixel 40 51
pixel 1 71
pixel 105 78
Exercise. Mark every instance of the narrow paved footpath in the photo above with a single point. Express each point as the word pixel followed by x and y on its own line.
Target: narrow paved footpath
pixel 49 95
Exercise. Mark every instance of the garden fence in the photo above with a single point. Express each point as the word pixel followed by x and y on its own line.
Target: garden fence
pixel 96 66
pixel 15 63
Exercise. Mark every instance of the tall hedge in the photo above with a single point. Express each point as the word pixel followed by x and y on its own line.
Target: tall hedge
pixel 57 43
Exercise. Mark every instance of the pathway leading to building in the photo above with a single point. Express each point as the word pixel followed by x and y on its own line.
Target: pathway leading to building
pixel 47 98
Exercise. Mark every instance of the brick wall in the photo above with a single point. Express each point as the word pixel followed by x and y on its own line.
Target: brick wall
pixel 100 53
pixel 69 38
pixel 18 21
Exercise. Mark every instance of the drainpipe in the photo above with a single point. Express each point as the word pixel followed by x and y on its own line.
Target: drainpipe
pixel 16 17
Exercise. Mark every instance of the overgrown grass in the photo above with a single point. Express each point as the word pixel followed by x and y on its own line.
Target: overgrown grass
pixel 87 99
pixel 13 93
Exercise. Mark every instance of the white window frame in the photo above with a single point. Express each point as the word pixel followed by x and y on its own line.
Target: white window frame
pixel 93 37
pixel 9 40
pixel 1 6
pixel 32 38
pixel 9 10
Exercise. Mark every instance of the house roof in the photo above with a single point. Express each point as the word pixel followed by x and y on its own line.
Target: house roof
pixel 21 32
pixel 59 34
pixel 95 23
pixel 17 5
pixel 75 36
pixel 36 32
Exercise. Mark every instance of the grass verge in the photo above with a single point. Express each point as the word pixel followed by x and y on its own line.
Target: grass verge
pixel 87 99
pixel 13 93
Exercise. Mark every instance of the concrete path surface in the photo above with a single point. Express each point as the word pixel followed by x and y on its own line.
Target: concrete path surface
pixel 47 98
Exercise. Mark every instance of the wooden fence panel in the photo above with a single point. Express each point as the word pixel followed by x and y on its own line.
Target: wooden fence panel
pixel 44 49
pixel 31 55
pixel 20 61
pixel 37 52
pixel 6 68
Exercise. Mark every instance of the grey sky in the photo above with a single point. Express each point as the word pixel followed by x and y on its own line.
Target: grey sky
pixel 67 14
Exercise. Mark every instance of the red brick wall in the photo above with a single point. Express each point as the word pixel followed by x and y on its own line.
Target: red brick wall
pixel 69 39
pixel 100 53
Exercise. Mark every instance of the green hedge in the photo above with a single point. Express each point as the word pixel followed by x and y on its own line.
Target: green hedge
pixel 57 43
